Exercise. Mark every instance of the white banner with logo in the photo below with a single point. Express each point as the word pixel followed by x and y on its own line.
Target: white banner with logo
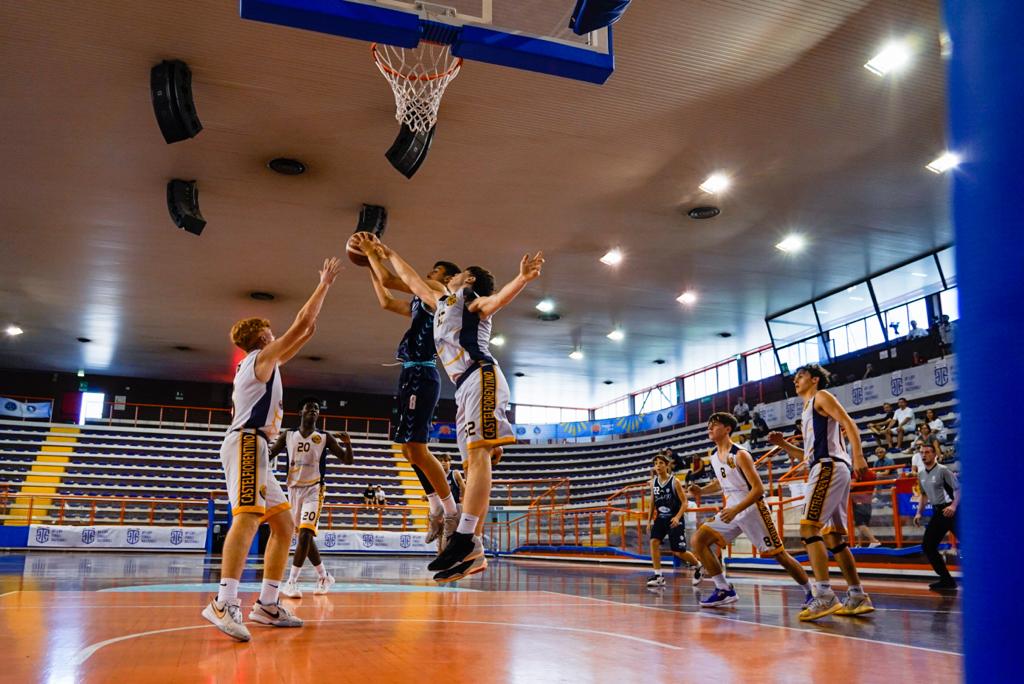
pixel 934 377
pixel 12 408
pixel 116 537
pixel 377 541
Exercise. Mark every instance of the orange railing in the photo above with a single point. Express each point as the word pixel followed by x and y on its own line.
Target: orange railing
pixel 68 509
pixel 545 492
pixel 362 517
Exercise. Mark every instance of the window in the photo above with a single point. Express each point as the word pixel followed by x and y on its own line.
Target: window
pixel 792 326
pixel 898 320
pixel 947 260
pixel 92 406
pixel 542 415
pixel 761 365
pixel 660 397
pixel 906 283
pixel 616 409
pixel 949 301
pixel 799 354
pixel 728 376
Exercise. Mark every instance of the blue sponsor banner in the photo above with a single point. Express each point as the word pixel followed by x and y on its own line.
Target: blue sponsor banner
pixel 12 408
pixel 607 427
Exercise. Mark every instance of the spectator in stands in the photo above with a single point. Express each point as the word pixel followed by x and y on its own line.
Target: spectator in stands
pixel 904 417
pixel 942 333
pixel 758 431
pixel 379 497
pixel 916 333
pixel 675 460
pixel 884 427
pixel 369 495
pixel 742 442
pixel 869 371
pixel 940 487
pixel 863 497
pixel 925 436
pixel 937 426
pixel 882 458
pixel 699 474
pixel 741 411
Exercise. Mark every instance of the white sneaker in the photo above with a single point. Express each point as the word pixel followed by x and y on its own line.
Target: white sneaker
pixel 656 581
pixel 227 618
pixel 698 575
pixel 275 615
pixel 291 590
pixel 324 584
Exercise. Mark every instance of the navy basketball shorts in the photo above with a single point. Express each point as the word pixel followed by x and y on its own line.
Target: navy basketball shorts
pixel 419 388
pixel 661 528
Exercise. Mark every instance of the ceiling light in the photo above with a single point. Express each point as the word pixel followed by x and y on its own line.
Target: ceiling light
pixel 944 162
pixel 893 57
pixel 857 299
pixel 261 296
pixel 616 335
pixel 13 330
pixel 286 166
pixel 545 306
pixel 575 355
pixel 81 373
pixel 687 297
pixel 613 257
pixel 716 182
pixel 822 311
pixel 792 243
pixel 498 340
pixel 917 274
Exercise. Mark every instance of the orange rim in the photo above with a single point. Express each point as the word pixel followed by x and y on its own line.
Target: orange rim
pixel 405 77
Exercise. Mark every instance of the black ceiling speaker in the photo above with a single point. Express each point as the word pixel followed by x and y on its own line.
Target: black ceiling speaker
pixel 704 212
pixel 170 85
pixel 183 204
pixel 409 150
pixel 372 219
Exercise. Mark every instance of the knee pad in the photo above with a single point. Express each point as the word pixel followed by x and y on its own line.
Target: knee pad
pixel 838 548
pixel 810 540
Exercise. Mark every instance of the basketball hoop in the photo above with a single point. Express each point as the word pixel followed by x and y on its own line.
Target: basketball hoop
pixel 418 78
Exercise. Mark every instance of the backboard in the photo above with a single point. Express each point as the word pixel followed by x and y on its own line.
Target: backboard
pixel 523 34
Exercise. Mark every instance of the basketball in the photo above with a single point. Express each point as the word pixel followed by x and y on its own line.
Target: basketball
pixel 355 254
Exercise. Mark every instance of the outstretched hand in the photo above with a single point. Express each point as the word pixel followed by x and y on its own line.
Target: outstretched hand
pixel 529 267
pixel 776 438
pixel 330 270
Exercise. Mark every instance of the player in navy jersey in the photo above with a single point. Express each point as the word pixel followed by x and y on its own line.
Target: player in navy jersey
pixel 419 385
pixel 462 332
pixel 455 481
pixel 823 525
pixel 668 508
pixel 255 493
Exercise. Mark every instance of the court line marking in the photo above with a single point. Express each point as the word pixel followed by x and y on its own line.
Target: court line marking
pixel 82 655
pixel 8 593
pixel 763 624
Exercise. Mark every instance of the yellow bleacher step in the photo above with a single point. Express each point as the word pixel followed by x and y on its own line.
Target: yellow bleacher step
pixel 43 477
pixel 410 484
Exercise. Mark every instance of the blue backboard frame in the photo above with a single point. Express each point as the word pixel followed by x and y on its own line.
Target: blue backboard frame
pixel 367 22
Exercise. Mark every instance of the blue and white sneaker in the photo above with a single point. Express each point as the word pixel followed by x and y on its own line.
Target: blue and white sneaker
pixel 720 597
pixel 807 599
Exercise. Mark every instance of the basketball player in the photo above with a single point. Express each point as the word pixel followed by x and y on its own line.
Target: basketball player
pixel 746 513
pixel 254 492
pixel 419 385
pixel 828 485
pixel 668 506
pixel 462 331
pixel 455 481
pixel 307 450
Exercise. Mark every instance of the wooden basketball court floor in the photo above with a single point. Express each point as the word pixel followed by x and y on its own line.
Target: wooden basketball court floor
pixel 105 617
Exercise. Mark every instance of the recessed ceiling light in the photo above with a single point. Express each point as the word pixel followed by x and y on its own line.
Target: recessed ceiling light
pixel 703 212
pixel 616 335
pixel 613 257
pixel 575 355
pixel 792 243
pixel 917 274
pixel 13 330
pixel 857 299
pixel 609 382
pixel 944 162
pixel 262 296
pixel 822 311
pixel 658 361
pixel 716 182
pixel 83 340
pixel 545 306
pixel 286 166
pixel 687 297
pixel 182 347
pixel 519 374
pixel 894 56
pixel 498 340
pixel 314 358
pixel 725 334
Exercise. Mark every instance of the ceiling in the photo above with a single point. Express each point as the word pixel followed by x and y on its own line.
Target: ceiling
pixel 774 93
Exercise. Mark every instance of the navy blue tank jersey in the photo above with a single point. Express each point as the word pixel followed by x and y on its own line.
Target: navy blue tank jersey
pixel 454 486
pixel 666 501
pixel 418 343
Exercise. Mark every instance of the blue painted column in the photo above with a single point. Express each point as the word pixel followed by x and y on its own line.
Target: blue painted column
pixel 986 126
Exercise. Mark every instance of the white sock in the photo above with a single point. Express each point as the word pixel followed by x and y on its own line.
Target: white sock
pixel 467 525
pixel 268 592
pixel 855 590
pixel 448 504
pixel 435 503
pixel 821 588
pixel 321 571
pixel 293 574
pixel 228 590
pixel 658 573
pixel 806 586
pixel 720 582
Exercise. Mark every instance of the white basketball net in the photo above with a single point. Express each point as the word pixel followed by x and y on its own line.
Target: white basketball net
pixel 418 77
